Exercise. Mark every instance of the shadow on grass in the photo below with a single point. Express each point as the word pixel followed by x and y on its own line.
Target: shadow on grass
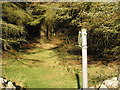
pixel 78 80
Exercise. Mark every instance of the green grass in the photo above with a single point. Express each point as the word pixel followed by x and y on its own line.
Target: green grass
pixel 47 70
pixel 41 74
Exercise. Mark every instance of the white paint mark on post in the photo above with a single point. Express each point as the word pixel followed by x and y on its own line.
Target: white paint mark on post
pixel 83 39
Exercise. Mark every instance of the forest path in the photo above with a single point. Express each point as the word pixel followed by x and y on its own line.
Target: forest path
pixel 41 69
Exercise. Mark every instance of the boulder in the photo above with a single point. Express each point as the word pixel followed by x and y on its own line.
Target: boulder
pixel 10 85
pixel 6 85
pixel 2 83
pixel 103 87
pixel 110 83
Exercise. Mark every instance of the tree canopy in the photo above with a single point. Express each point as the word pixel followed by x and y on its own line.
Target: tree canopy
pixel 21 21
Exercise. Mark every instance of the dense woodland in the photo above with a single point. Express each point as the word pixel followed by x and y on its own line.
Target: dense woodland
pixel 25 21
pixel 40 43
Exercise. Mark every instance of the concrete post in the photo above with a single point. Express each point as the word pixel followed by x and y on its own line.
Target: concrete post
pixel 84 58
pixel 82 40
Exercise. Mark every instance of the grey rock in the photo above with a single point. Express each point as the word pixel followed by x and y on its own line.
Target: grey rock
pixel 6 85
pixel 103 86
pixel 110 83
pixel 2 83
pixel 1 80
pixel 10 85
pixel 5 81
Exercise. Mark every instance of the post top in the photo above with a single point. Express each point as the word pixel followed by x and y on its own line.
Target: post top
pixel 83 29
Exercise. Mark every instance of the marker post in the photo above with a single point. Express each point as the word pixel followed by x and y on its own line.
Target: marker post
pixel 82 40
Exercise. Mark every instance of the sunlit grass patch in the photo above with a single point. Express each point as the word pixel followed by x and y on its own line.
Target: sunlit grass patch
pixel 40 74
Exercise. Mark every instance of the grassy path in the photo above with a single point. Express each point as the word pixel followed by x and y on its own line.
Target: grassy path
pixel 44 71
